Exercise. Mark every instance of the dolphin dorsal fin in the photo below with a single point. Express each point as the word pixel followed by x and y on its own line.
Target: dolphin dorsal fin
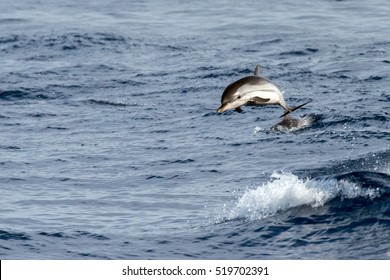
pixel 257 70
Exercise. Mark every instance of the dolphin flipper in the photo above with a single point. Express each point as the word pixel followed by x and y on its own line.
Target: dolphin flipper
pixel 295 108
pixel 259 100
pixel 238 109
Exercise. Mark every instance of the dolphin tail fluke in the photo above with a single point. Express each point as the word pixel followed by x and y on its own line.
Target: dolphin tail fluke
pixel 295 108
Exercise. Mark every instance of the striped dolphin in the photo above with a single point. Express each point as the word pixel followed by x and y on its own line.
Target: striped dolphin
pixel 253 91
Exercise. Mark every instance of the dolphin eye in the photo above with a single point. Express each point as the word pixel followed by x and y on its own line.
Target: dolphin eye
pixel 239 97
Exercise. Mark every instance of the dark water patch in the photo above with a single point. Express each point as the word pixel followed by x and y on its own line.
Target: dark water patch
pixel 9 147
pixel 154 177
pixel 343 74
pixel 56 127
pixel 179 161
pixel 205 237
pixel 160 131
pixel 111 37
pixel 93 256
pixel 9 39
pixel 192 90
pixel 312 50
pixel 42 115
pixel 385 98
pixel 12 124
pixel 244 143
pixel 369 195
pixel 250 242
pixel 56 72
pixel 178 176
pixel 211 113
pixel 139 94
pixel 373 78
pixel 367 179
pixel 128 82
pixel 100 68
pixel 8 235
pixel 15 95
pixel 5 248
pixel 326 121
pixel 12 21
pixel 208 68
pixel 349 227
pixel 65 179
pixel 272 231
pixel 90 235
pixel 12 179
pixel 66 42
pixel 246 50
pixel 242 71
pixel 211 171
pixel 303 220
pixel 64 87
pixel 73 41
pixel 55 235
pixel 368 162
pixel 306 51
pixel 172 48
pixel 374 117
pixel 213 75
pixel 157 148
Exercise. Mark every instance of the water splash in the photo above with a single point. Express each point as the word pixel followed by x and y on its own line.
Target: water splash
pixel 258 129
pixel 285 191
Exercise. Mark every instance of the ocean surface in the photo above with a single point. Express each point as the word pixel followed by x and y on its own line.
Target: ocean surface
pixel 111 146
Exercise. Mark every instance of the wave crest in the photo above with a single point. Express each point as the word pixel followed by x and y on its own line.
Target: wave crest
pixel 285 191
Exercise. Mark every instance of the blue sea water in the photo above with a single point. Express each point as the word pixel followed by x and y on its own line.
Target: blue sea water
pixel 111 146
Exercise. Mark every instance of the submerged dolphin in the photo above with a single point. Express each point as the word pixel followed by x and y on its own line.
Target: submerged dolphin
pixel 289 124
pixel 253 91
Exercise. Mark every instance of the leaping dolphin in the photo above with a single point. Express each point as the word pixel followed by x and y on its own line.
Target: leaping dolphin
pixel 253 91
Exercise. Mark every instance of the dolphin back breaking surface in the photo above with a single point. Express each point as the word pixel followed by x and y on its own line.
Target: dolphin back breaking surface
pixel 289 124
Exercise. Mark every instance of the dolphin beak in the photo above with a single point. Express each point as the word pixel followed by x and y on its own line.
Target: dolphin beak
pixel 221 108
pixel 231 105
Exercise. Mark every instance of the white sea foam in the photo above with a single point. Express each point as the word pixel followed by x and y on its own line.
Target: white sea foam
pixel 258 129
pixel 286 190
